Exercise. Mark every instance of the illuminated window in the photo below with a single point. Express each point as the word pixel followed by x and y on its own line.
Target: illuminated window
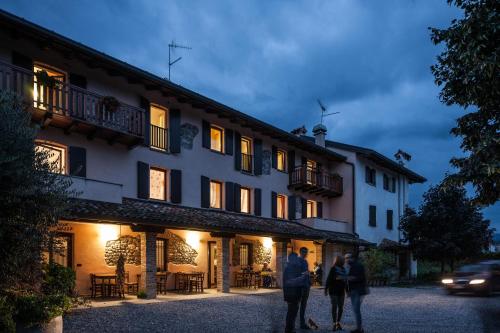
pixel 281 206
pixel 245 200
pixel 216 138
pixel 312 208
pixel 244 254
pixel 55 155
pixel 161 255
pixel 311 172
pixel 48 92
pixel 157 184
pixel 215 194
pixel 246 154
pixel 281 160
pixel 158 132
pixel 62 250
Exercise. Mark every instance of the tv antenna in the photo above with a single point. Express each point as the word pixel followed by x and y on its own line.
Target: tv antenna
pixel 173 45
pixel 324 109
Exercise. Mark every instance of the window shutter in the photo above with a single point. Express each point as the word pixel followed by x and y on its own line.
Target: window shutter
pixel 373 216
pixel 229 196
pixel 274 204
pixel 374 177
pixel 257 156
pixel 22 61
pixel 319 179
pixel 237 151
pixel 205 192
pixel 144 103
pixel 257 206
pixel 304 207
pixel 142 180
pixel 250 254
pixel 174 130
pixel 228 141
pixel 389 219
pixel 291 207
pixel 78 80
pixel 176 186
pixel 205 134
pixel 291 161
pixel 274 157
pixel 237 198
pixel 77 161
pixel 319 207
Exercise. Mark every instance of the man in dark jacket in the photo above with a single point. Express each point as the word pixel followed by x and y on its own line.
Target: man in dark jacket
pixel 293 280
pixel 306 287
pixel 356 287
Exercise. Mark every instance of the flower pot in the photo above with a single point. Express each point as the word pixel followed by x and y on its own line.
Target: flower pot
pixel 53 326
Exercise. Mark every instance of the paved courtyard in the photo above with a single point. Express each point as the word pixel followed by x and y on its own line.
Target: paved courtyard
pixel 385 310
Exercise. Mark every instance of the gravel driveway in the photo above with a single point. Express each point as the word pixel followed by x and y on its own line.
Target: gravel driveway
pixel 385 310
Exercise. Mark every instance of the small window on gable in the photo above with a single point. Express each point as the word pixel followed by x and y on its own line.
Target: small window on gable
pixel 281 160
pixel 215 194
pixel 157 184
pixel 216 138
pixel 55 155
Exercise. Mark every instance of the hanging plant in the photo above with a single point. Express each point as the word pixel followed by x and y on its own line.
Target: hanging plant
pixel 110 103
pixel 44 79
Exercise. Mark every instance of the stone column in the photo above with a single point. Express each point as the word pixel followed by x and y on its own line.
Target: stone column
pixel 281 259
pixel 223 269
pixel 147 283
pixel 328 255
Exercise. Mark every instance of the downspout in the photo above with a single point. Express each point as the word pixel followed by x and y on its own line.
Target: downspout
pixel 353 167
pixel 399 207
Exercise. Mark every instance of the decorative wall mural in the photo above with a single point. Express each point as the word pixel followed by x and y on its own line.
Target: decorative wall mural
pixel 266 162
pixel 129 246
pixel 260 254
pixel 179 252
pixel 188 133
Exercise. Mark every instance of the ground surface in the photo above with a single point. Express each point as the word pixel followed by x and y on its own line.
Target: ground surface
pixel 385 310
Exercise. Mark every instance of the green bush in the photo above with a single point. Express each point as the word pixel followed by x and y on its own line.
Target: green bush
pixel 379 264
pixel 7 323
pixel 142 294
pixel 34 309
pixel 58 280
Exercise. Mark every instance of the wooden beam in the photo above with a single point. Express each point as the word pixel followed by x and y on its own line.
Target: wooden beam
pixel 281 240
pixel 136 142
pixel 71 127
pixel 222 235
pixel 47 118
pixel 113 139
pixel 133 80
pixel 147 228
pixel 91 135
pixel 113 72
pixel 150 87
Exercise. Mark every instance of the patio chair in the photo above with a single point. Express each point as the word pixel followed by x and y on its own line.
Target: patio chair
pixel 196 282
pixel 257 282
pixel 161 284
pixel 95 287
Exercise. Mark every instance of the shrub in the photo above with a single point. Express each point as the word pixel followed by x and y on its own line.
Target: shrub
pixel 7 323
pixel 379 264
pixel 58 280
pixel 142 294
pixel 34 309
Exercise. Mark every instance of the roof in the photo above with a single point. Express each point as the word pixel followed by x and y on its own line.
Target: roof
pixel 94 58
pixel 144 212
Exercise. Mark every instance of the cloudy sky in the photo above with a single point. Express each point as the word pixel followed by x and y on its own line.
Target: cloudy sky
pixel 369 60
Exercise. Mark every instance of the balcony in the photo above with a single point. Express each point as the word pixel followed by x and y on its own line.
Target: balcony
pixel 75 109
pixel 315 181
pixel 246 162
pixel 159 137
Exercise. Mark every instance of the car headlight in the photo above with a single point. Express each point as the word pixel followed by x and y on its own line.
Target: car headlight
pixel 476 281
pixel 447 281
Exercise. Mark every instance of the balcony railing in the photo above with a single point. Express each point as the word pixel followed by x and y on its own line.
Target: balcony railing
pixel 316 181
pixel 246 162
pixel 67 100
pixel 159 137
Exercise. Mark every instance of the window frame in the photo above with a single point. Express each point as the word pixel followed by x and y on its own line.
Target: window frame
pixel 55 146
pixel 249 206
pixel 371 176
pixel 46 67
pixel 284 153
pixel 248 256
pixel 165 128
pixel 249 141
pixel 69 249
pixel 285 200
pixel 219 183
pixel 165 173
pixel 372 219
pixel 390 223
pixel 165 254
pixel 221 130
pixel 314 208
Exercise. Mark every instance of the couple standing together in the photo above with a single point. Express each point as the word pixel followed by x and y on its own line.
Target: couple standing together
pixel 343 277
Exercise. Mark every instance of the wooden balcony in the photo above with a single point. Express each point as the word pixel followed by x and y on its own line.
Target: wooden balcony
pixel 315 181
pixel 75 109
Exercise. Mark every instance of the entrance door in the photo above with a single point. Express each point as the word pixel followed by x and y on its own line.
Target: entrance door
pixel 212 264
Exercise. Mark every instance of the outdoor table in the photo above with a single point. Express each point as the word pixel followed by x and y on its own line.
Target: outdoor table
pixel 108 280
pixel 250 279
pixel 182 280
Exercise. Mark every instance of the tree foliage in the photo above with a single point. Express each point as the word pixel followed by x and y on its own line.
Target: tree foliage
pixel 468 72
pixel 447 227
pixel 31 198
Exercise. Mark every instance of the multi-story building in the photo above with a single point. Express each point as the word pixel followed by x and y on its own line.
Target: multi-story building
pixel 169 179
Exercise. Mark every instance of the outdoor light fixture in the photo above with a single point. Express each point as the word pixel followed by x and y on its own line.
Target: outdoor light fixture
pixel 267 242
pixel 476 281
pixel 193 239
pixel 447 281
pixel 108 232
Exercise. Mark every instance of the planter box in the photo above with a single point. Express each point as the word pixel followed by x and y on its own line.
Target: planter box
pixel 54 326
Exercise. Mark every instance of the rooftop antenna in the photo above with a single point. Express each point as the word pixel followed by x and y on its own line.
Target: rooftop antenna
pixel 402 157
pixel 324 109
pixel 171 47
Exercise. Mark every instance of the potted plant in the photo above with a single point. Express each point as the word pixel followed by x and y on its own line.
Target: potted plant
pixel 109 103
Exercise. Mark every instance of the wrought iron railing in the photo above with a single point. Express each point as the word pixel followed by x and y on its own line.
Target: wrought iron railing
pixel 246 162
pixel 158 137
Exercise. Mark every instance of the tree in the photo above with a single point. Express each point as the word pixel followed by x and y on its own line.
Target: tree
pixel 468 71
pixel 447 227
pixel 31 198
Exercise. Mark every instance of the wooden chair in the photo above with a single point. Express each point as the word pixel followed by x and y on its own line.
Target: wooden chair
pixel 95 287
pixel 196 282
pixel 131 287
pixel 239 279
pixel 161 284
pixel 257 282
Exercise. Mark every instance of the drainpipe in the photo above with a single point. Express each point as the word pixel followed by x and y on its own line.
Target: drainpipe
pixel 353 168
pixel 399 207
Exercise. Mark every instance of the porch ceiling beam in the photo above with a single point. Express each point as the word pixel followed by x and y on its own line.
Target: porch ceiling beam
pixel 71 127
pixel 147 228
pixel 222 235
pixel 281 240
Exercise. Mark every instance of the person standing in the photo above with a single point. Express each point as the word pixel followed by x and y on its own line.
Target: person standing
pixel 356 288
pixel 293 281
pixel 335 287
pixel 306 287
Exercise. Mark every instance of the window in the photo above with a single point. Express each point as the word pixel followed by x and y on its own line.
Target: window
pixel 157 184
pixel 244 254
pixel 386 182
pixel 55 154
pixel 281 160
pixel 161 255
pixel 370 176
pixel 215 194
pixel 158 132
pixel 389 218
pixel 245 200
pixel 281 206
pixel 48 92
pixel 393 185
pixel 311 172
pixel 373 216
pixel 246 154
pixel 216 138
pixel 312 208
pixel 62 250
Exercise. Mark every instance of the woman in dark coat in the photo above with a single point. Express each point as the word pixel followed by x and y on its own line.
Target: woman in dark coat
pixel 335 287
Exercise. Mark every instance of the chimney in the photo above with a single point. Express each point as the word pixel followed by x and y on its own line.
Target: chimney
pixel 300 131
pixel 319 132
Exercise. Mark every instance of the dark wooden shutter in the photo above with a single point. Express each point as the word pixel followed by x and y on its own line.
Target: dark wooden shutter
pixel 237 197
pixel 250 254
pixel 274 157
pixel 389 219
pixel 319 178
pixel 304 207
pixel 205 134
pixel 291 161
pixel 145 105
pixel 22 61
pixel 77 161
pixel 257 156
pixel 237 151
pixel 142 180
pixel 174 130
pixel 257 206
pixel 373 216
pixel 292 200
pixel 78 80
pixel 228 141
pixel 229 196
pixel 319 208
pixel 274 204
pixel 176 186
pixel 205 192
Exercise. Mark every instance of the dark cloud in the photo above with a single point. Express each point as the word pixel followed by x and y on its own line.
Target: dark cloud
pixel 367 59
